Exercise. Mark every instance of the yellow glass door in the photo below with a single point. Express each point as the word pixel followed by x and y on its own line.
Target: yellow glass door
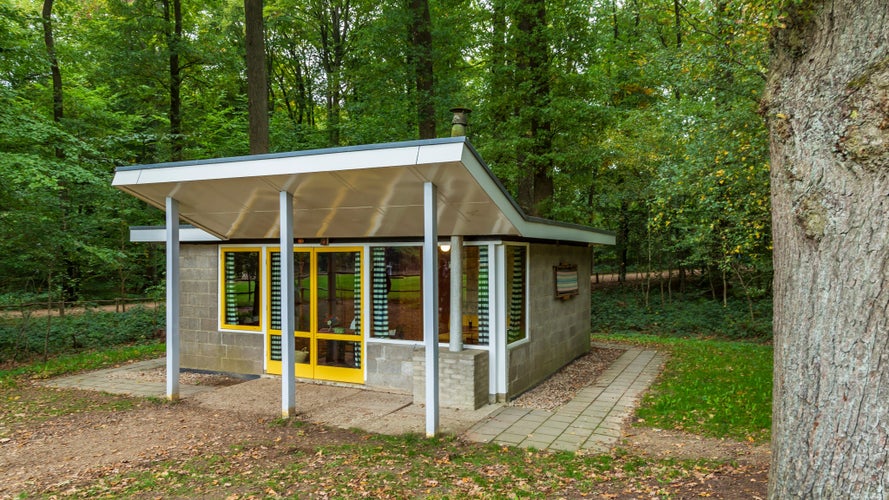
pixel 338 352
pixel 327 302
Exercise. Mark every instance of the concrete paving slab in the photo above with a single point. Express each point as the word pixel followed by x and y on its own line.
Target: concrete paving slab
pixel 592 421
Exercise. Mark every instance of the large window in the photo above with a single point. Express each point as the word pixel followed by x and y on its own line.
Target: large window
pixel 397 293
pixel 242 297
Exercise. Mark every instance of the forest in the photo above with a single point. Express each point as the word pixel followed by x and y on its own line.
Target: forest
pixel 637 116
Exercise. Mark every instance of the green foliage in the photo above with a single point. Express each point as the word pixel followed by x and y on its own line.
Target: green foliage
pixel 22 340
pixel 652 136
pixel 709 387
pixel 690 314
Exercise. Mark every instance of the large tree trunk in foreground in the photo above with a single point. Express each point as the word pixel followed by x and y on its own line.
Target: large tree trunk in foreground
pixel 827 104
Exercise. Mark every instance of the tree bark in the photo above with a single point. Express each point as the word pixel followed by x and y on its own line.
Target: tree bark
pixel 257 79
pixel 57 102
pixel 827 102
pixel 174 40
pixel 533 75
pixel 334 19
pixel 421 51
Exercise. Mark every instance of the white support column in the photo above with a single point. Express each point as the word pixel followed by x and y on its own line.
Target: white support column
pixel 288 316
pixel 430 304
pixel 456 324
pixel 494 360
pixel 500 347
pixel 172 230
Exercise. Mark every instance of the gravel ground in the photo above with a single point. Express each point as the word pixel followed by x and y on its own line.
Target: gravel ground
pixel 187 377
pixel 559 388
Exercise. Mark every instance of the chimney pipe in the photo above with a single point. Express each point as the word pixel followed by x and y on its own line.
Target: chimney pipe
pixel 460 122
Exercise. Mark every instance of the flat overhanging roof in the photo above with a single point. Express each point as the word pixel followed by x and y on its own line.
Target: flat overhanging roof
pixel 372 191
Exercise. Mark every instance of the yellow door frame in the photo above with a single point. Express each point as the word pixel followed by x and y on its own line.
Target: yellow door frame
pixel 311 369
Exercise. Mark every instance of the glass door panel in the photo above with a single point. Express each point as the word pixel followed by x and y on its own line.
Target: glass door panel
pixel 338 315
pixel 302 303
pixel 327 306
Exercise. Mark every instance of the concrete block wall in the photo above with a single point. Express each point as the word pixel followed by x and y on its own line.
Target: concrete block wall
pixel 202 345
pixel 462 378
pixel 389 366
pixel 558 330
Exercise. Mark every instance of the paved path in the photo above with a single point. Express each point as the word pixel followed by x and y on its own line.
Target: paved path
pixel 591 421
pixel 128 379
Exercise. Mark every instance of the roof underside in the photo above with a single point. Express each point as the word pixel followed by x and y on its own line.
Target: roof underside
pixel 371 191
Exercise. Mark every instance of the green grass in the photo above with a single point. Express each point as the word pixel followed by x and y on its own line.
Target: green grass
pixel 710 387
pixel 24 403
pixel 379 466
pixel 82 361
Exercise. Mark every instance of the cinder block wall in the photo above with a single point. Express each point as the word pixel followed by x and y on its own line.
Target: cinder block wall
pixel 558 330
pixel 462 378
pixel 202 345
pixel 389 366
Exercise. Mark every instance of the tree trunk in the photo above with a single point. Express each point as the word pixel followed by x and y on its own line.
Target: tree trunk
pixel 677 25
pixel 533 75
pixel 174 39
pixel 57 108
pixel 421 51
pixel 827 103
pixel 257 80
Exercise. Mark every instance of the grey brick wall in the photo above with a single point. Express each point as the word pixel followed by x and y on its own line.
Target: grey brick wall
pixel 558 330
pixel 202 345
pixel 462 378
pixel 389 366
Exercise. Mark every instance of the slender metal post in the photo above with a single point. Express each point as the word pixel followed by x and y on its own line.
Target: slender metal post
pixel 455 343
pixel 288 316
pixel 430 304
pixel 172 237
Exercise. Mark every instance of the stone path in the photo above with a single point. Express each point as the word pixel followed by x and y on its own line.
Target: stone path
pixel 127 379
pixel 591 421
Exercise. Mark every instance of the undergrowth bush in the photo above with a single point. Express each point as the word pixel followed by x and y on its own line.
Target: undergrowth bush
pixel 623 308
pixel 24 339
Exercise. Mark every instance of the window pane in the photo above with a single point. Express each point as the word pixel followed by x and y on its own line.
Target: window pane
pixel 242 288
pixel 339 292
pixel 474 316
pixel 302 290
pixel 515 293
pixel 396 293
pixel 341 353
pixel 301 351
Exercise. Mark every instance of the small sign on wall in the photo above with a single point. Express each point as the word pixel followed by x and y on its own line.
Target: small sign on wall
pixel 566 281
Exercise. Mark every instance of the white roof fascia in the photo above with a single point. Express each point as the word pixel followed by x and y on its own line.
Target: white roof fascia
pixel 259 166
pixel 414 153
pixel 158 234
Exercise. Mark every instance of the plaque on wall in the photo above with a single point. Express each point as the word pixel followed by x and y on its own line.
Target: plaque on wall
pixel 566 281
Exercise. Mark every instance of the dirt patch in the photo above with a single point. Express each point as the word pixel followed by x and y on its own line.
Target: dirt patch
pixel 159 374
pixel 80 447
pixel 658 443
